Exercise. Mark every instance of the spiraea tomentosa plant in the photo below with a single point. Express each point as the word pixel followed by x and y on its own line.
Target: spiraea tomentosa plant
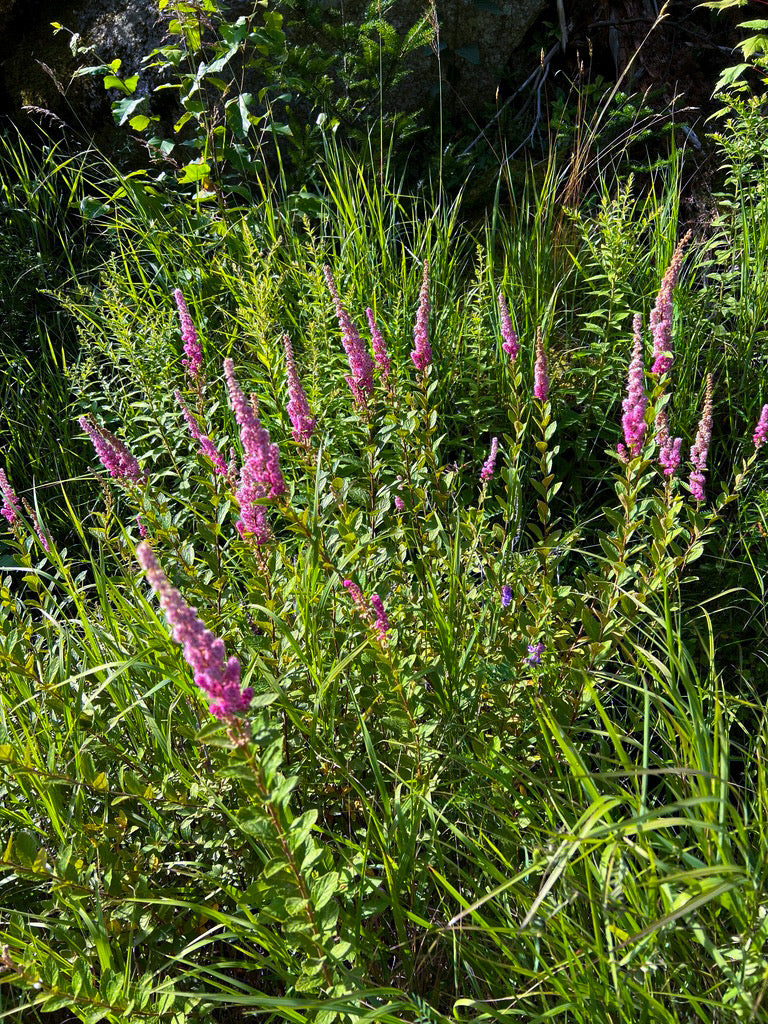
pixel 379 599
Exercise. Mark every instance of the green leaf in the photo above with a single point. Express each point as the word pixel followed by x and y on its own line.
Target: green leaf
pixel 195 172
pixel 139 122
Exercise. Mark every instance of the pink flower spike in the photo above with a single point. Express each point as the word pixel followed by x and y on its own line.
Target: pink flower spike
pixel 207 446
pixel 422 350
pixel 115 455
pixel 489 466
pixel 42 536
pixel 260 476
pixel 298 407
pixel 361 365
pixel 510 345
pixel 669 447
pixel 636 402
pixel 217 676
pixel 10 509
pixel 761 431
pixel 541 369
pixel 380 353
pixel 381 625
pixel 700 449
pixel 663 311
pixel 192 347
pixel 360 600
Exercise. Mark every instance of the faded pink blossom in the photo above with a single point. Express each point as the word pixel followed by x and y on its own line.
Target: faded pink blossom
pixel 141 523
pixel 636 401
pixel 207 446
pixel 115 455
pixel 541 369
pixel 380 353
pixel 663 312
pixel 381 625
pixel 192 347
pixel 260 476
pixel 302 420
pixel 422 350
pixel 361 365
pixel 700 449
pixel 216 675
pixel 489 466
pixel 42 536
pixel 360 600
pixel 761 430
pixel 510 345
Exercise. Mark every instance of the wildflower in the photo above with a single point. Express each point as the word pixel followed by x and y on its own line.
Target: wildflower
pixel 761 431
pixel 636 402
pixel 399 503
pixel 380 353
pixel 541 369
pixel 207 446
pixel 669 447
pixel 535 652
pixel 510 345
pixel 663 313
pixel 217 676
pixel 506 596
pixel 260 476
pixel 700 449
pixel 10 509
pixel 422 350
pixel 298 407
pixel 143 531
pixel 192 347
pixel 115 455
pixel 361 365
pixel 42 536
pixel 381 625
pixel 490 463
pixel 359 599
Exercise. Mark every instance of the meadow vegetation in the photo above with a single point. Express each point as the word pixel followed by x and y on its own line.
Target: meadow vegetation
pixel 382 617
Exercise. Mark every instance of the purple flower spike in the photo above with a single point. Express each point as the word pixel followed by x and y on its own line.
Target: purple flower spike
pixel 489 466
pixel 217 676
pixel 10 509
pixel 761 431
pixel 700 449
pixel 298 407
pixel 636 402
pixel 361 365
pixel 115 455
pixel 381 625
pixel 669 447
pixel 510 345
pixel 541 369
pixel 192 347
pixel 663 312
pixel 207 446
pixel 260 476
pixel 422 350
pixel 535 652
pixel 506 596
pixel 380 353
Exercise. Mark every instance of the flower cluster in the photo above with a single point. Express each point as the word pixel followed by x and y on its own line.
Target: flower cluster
pixel 510 345
pixel 114 454
pixel 302 420
pixel 260 476
pixel 761 430
pixel 361 365
pixel 541 369
pixel 669 447
pixel 42 536
pixel 217 676
pixel 700 449
pixel 377 619
pixel 663 312
pixel 193 350
pixel 381 625
pixel 489 466
pixel 535 652
pixel 636 402
pixel 380 353
pixel 506 596
pixel 10 509
pixel 207 446
pixel 422 350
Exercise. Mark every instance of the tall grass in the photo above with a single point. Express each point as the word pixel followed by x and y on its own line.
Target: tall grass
pixel 539 794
